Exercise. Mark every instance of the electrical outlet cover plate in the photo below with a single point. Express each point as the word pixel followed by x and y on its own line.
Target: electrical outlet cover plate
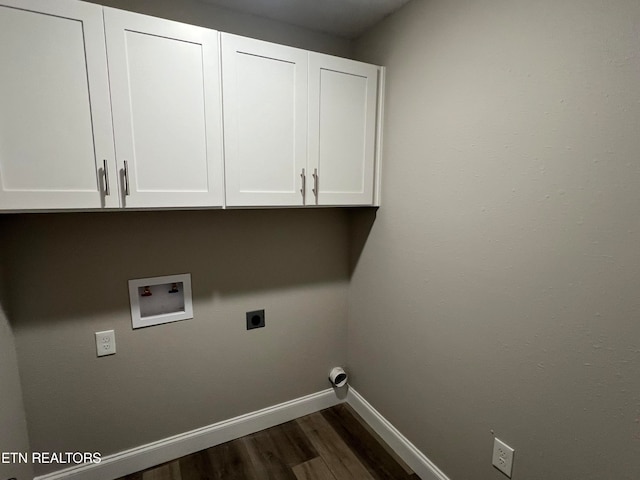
pixel 105 343
pixel 503 457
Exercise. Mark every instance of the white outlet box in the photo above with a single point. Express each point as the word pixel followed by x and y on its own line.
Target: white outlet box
pixel 105 343
pixel 158 300
pixel 503 457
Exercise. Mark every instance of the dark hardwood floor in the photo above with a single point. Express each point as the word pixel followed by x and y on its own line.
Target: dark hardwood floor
pixel 334 444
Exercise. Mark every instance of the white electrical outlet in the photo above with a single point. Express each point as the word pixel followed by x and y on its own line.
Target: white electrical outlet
pixel 106 343
pixel 503 457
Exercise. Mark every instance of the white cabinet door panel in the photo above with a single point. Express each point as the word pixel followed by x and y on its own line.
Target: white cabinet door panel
pixel 55 123
pixel 342 129
pixel 165 88
pixel 265 118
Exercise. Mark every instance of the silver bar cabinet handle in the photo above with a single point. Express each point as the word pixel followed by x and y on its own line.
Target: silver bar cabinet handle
pixel 315 183
pixel 126 178
pixel 303 190
pixel 105 169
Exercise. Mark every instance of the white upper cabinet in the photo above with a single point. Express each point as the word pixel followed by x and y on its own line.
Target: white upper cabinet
pixel 300 127
pixel 165 93
pixel 265 122
pixel 104 108
pixel 342 130
pixel 55 120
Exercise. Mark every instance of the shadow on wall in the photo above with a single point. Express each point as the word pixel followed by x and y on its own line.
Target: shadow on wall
pixel 79 263
pixel 361 222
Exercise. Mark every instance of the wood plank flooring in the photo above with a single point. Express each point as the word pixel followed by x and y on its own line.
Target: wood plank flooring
pixel 334 444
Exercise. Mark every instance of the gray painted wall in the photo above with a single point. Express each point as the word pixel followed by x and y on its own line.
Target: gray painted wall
pixel 69 277
pixel 13 426
pixel 195 12
pixel 499 286
pixel 496 290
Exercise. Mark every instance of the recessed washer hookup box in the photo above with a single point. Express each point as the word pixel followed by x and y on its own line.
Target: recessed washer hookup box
pixel 158 300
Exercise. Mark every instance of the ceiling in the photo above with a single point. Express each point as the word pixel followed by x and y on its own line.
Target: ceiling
pixel 344 18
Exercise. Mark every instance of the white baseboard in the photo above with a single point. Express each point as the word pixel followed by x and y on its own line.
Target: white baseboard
pixel 406 450
pixel 140 458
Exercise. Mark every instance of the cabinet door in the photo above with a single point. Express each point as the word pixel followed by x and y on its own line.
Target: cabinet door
pixel 55 117
pixel 342 129
pixel 165 94
pixel 265 118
